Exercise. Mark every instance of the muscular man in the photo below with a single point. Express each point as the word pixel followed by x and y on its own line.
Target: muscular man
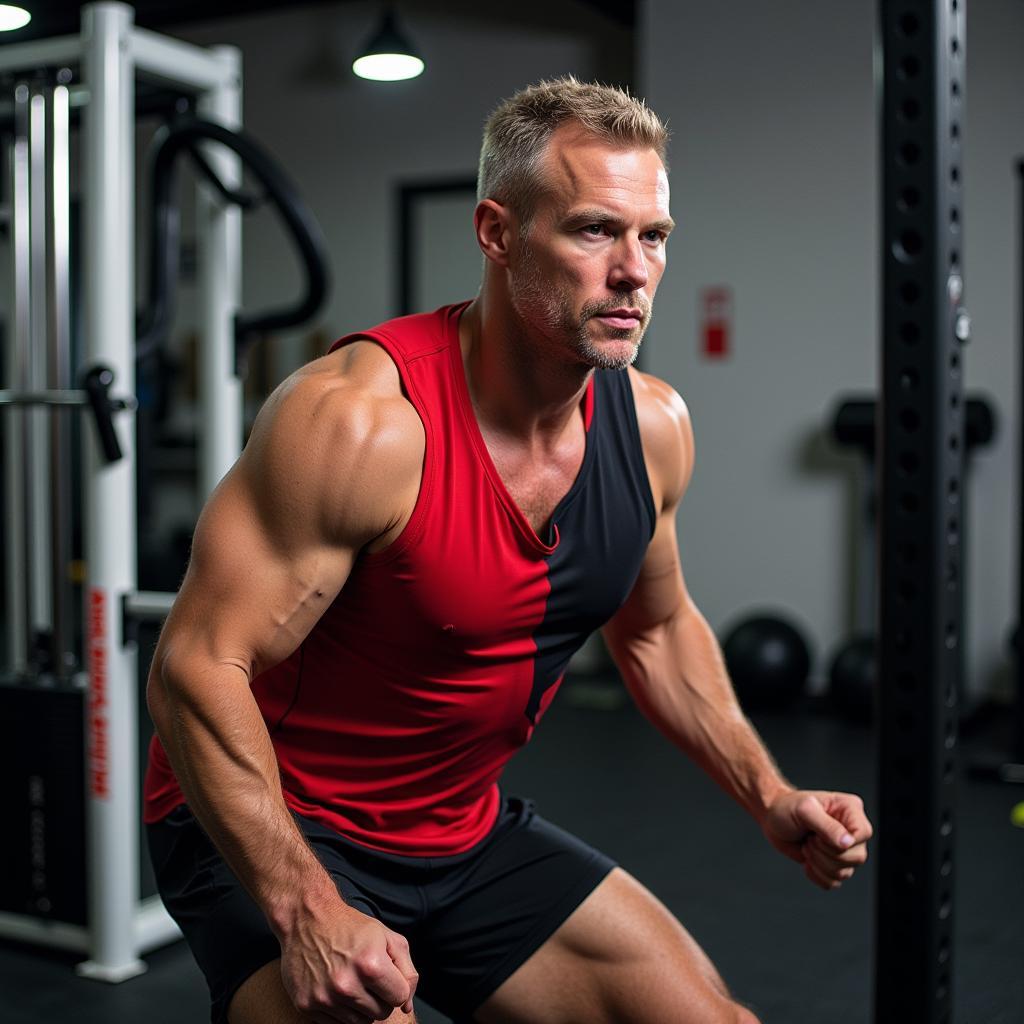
pixel 383 595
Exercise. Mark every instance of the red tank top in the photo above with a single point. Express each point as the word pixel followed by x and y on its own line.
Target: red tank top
pixel 393 720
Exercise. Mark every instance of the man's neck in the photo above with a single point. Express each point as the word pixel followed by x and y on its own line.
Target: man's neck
pixel 517 389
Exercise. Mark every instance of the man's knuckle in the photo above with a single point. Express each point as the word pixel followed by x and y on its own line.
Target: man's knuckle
pixel 372 965
pixel 306 1002
pixel 807 804
pixel 345 988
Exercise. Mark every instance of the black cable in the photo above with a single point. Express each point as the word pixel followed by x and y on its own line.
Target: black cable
pixel 185 136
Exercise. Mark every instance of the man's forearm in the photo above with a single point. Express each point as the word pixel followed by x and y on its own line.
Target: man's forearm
pixel 677 676
pixel 225 763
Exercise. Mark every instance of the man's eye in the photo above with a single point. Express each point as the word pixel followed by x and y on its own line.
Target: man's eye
pixel 654 236
pixel 594 229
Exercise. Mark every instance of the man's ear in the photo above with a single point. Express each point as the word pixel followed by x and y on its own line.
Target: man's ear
pixel 494 230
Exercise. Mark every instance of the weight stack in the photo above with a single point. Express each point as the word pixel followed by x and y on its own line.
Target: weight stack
pixel 42 793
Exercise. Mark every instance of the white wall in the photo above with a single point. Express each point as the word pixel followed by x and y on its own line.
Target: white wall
pixel 776 193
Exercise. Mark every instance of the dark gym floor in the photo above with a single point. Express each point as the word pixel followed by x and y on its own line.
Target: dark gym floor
pixel 792 952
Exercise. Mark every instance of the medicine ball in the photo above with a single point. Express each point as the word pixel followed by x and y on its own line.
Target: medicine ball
pixel 853 679
pixel 768 660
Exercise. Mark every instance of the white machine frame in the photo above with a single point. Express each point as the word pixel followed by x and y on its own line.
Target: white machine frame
pixel 111 53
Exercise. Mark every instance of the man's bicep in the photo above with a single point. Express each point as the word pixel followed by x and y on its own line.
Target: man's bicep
pixel 321 476
pixel 255 587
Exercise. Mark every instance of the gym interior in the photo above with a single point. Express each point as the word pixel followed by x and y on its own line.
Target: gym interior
pixel 848 185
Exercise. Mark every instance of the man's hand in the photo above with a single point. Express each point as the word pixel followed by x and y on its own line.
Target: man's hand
pixel 342 965
pixel 825 832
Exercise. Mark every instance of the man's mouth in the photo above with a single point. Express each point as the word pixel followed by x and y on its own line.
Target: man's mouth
pixel 624 318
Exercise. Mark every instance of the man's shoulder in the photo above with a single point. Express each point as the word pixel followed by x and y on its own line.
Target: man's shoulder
pixel 341 422
pixel 660 409
pixel 337 392
pixel 362 366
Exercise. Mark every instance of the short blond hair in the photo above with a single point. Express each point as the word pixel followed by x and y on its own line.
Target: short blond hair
pixel 517 132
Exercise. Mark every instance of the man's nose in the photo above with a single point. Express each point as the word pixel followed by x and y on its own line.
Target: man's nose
pixel 629 271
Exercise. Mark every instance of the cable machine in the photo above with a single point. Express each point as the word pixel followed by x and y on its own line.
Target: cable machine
pixel 63 671
pixel 93 76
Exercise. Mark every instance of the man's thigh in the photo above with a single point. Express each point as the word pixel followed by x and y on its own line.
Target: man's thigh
pixel 621 957
pixel 491 910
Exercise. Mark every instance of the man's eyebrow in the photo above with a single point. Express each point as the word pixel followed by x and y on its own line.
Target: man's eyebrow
pixel 591 215
pixel 595 215
pixel 666 225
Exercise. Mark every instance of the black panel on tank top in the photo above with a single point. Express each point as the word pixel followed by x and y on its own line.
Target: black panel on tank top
pixel 604 530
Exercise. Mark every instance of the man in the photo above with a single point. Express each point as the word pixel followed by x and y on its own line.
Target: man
pixel 382 598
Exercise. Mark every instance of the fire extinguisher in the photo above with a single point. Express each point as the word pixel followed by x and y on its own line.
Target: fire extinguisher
pixel 716 322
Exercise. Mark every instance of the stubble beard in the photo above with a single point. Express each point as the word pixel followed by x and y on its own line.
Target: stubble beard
pixel 542 307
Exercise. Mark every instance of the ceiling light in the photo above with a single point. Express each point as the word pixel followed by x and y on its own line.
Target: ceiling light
pixel 13 17
pixel 388 56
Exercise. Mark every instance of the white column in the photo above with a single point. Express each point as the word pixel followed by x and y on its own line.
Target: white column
pixel 109 270
pixel 218 250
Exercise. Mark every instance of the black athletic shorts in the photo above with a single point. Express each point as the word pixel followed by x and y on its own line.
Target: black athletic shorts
pixel 470 919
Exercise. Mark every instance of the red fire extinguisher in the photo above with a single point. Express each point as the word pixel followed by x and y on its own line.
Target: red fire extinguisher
pixel 716 322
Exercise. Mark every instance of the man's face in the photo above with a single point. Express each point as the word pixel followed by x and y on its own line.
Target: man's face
pixel 585 274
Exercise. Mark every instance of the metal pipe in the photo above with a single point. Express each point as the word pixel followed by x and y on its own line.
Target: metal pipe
pixel 60 375
pixel 40 572
pixel 17 58
pixel 219 246
pixel 55 934
pixel 51 396
pixel 148 605
pixel 178 63
pixel 108 260
pixel 154 927
pixel 15 455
